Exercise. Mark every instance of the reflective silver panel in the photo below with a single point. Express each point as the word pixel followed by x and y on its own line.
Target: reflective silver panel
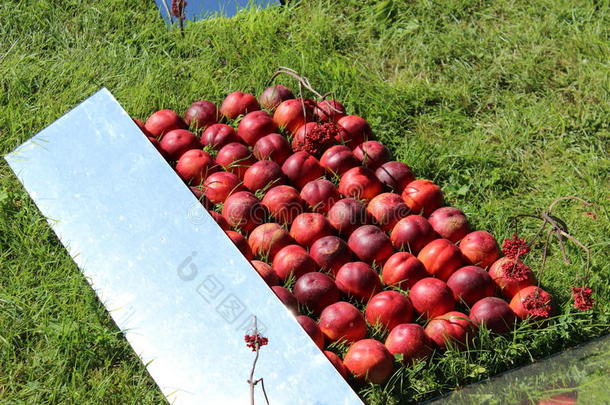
pixel 169 276
pixel 196 10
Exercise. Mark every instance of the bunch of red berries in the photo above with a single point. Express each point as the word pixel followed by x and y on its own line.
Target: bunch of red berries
pixel 255 341
pixel 515 247
pixel 319 138
pixel 537 304
pixel 516 270
pixel 582 298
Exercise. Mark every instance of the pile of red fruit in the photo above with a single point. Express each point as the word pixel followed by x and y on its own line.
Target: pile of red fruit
pixel 309 196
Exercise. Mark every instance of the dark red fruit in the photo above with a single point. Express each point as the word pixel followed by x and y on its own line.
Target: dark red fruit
pixel 480 248
pixel 268 239
pixel 372 154
pixel 431 297
pixel 369 360
pixel 301 168
pixel 283 203
pixel 272 147
pixel 320 195
pixel 241 243
pixel 293 260
pixel 347 215
pixel 358 280
pixel 450 223
pixel 201 114
pixel 316 291
pixel 243 210
pixel 403 270
pixel 219 186
pixel 357 130
pixel 389 309
pixel 370 244
pixel 194 166
pixel 176 142
pixel 218 135
pixel 221 221
pixel 387 209
pixel 163 121
pixel 287 298
pixel 495 313
pixel 423 196
pixel 266 272
pixel 309 227
pixel 330 252
pixel 453 328
pixel 342 321
pixel 441 258
pixel 329 110
pixel 361 183
pixel 236 158
pixel 412 233
pixel 254 126
pixel 395 175
pixel 338 159
pixel 238 103
pixel 274 95
pixel 313 330
pixel 292 114
pixel 409 340
pixel 262 175
pixel 470 284
pixel 338 363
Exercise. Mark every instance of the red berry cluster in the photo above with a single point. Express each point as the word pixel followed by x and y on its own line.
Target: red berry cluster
pixel 582 298
pixel 537 304
pixel 516 270
pixel 255 341
pixel 515 247
pixel 319 138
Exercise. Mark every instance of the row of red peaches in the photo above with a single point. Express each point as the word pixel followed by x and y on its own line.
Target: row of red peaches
pixel 313 201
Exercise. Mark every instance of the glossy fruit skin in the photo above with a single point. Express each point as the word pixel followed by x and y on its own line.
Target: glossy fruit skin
pixel 403 270
pixel 495 313
pixel 508 286
pixel 218 135
pixel 346 215
pixel 201 114
pixel 330 252
pixel 287 298
pixel 163 121
pixel 220 185
pixel 454 327
pixel 194 166
pixel 308 227
pixel 263 174
pixel 235 158
pixel 176 142
pixel 389 308
pixel 266 272
pixel 410 340
pixel 431 297
pixel 293 260
pixel 338 159
pixel 450 223
pixel 243 210
pixel 357 130
pixel 254 126
pixel 412 233
pixel 272 147
pixel 329 110
pixel 320 195
pixel 238 103
pixel 301 168
pixel 360 183
pixel 274 95
pixel 423 197
pixel 372 154
pixel 312 329
pixel 289 114
pixel 517 302
pixel 268 239
pixel 480 248
pixel 358 280
pixel 157 146
pixel 342 321
pixel 370 244
pixel 337 363
pixel 142 127
pixel 221 221
pixel 369 360
pixel 387 209
pixel 471 284
pixel 284 203
pixel 198 192
pixel 241 243
pixel 395 175
pixel 316 291
pixel 441 258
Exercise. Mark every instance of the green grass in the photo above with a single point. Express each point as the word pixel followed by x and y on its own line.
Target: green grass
pixel 505 104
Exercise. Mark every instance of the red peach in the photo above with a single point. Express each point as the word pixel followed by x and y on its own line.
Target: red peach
pixel 441 258
pixel 163 121
pixel 292 114
pixel 301 168
pixel 235 158
pixel 312 329
pixel 201 114
pixel 532 302
pixel 361 183
pixel 268 239
pixel 369 360
pixel 243 210
pixel 370 244
pixel 389 309
pixel 142 127
pixel 412 233
pixel 410 340
pixel 293 260
pixel 423 196
pixel 471 284
pixel 262 175
pixel 194 166
pixel 495 313
pixel 238 103
pixel 451 328
pixel 338 363
pixel 387 209
pixel 329 110
pixel 342 321
pixel 272 147
pixel 218 135
pixel 219 186
pixel 309 227
pixel 403 270
pixel 358 280
pixel 568 398
pixel 330 252
pixel 274 95
pixel 320 195
pixel 287 298
pixel 395 175
pixel 511 276
pixel 241 243
pixel 357 130
pixel 372 154
pixel 266 272
pixel 198 192
pixel 480 248
pixel 283 203
pixel 316 291
pixel 338 159
pixel 157 146
pixel 176 142
pixel 220 220
pixel 254 126
pixel 347 215
pixel 450 223
pixel 431 297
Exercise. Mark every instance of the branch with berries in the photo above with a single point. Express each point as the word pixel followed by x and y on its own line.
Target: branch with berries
pixel 254 341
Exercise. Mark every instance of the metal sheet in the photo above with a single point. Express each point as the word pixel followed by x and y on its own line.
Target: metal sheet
pixel 169 276
pixel 196 10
